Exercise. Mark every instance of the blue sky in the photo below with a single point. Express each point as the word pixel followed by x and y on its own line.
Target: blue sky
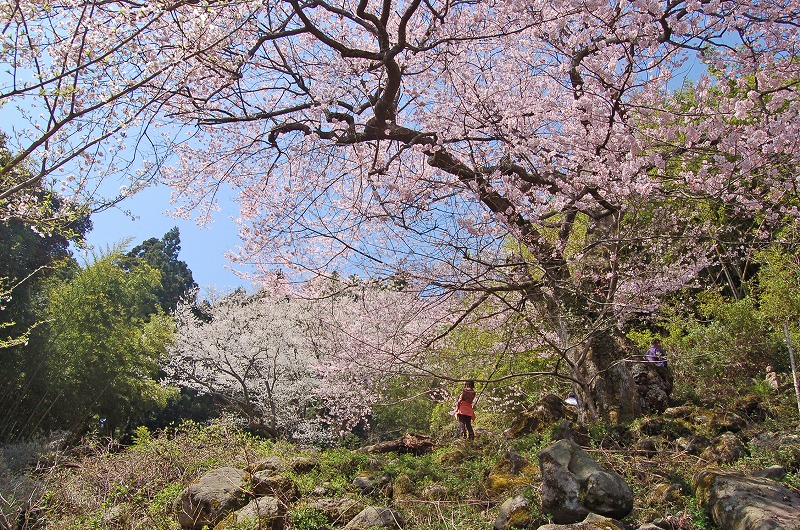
pixel 203 249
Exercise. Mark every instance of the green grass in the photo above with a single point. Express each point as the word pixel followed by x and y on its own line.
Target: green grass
pixel 104 486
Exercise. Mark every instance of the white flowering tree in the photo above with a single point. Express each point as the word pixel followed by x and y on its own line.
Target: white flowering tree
pixel 252 354
pixel 308 369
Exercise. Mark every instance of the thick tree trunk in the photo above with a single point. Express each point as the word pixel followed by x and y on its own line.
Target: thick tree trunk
pixel 608 391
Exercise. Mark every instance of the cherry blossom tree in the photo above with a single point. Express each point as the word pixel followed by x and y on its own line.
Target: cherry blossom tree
pixel 546 158
pixel 310 370
pixel 251 353
pixel 365 335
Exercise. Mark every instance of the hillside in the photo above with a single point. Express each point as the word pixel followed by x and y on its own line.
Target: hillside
pixel 458 484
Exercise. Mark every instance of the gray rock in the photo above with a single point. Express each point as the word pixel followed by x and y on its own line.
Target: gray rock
pixel 435 492
pixel 273 463
pixel 213 497
pixel 653 384
pixel 321 490
pixel 513 513
pixel 591 522
pixel 670 428
pixel 266 513
pixel 511 462
pixel 373 516
pixel 647 446
pixel 276 485
pixel 337 510
pixel 739 502
pixel 693 445
pixel 574 485
pixel 367 484
pixel 724 449
pixel 769 440
pixel 772 472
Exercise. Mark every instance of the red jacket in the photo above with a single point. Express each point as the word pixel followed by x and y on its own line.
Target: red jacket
pixel 464 405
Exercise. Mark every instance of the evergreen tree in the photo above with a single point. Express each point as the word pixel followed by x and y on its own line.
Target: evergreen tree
pixel 162 254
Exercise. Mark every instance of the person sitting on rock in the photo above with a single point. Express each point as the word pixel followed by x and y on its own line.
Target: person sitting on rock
pixel 655 355
pixel 653 378
pixel 572 399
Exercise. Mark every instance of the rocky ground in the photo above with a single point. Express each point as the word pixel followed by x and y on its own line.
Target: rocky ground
pixel 732 466
pixel 563 485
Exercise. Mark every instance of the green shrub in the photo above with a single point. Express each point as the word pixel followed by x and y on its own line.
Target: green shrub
pixel 307 518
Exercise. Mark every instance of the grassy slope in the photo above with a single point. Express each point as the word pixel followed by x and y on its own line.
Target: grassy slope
pixel 102 485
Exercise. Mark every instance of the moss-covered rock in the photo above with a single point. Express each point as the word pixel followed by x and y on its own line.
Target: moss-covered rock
pixel 303 464
pixel 743 502
pixel 666 493
pixel 510 472
pixel 725 421
pixel 541 416
pixel 403 486
pixel 276 485
pixel 513 513
pixel 724 449
pixel 670 428
pixel 453 457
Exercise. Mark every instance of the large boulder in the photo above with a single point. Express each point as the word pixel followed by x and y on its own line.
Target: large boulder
pixel 574 485
pixel 739 502
pixel 653 384
pixel 213 497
